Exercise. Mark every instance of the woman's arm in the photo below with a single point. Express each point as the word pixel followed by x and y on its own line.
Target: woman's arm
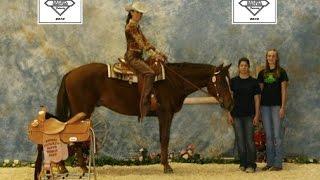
pixel 257 98
pixel 144 44
pixel 284 92
pixel 261 86
pixel 230 119
pixel 139 38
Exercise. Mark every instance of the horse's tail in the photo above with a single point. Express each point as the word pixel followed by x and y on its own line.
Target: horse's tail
pixel 62 109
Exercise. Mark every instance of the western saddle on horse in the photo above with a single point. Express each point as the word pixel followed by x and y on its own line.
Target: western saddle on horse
pixel 122 71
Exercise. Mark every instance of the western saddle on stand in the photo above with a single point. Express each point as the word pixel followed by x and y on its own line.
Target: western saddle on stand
pixel 55 136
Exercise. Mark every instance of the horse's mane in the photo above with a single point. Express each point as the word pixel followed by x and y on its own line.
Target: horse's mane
pixel 189 67
pixel 176 72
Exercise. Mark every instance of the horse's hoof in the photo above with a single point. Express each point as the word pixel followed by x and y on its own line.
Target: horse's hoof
pixel 63 171
pixel 84 170
pixel 168 171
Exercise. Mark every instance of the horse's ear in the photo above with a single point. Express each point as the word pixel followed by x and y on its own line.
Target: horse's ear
pixel 221 65
pixel 228 66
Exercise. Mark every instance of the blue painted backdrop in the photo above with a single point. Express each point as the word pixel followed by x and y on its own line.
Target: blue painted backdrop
pixel 33 59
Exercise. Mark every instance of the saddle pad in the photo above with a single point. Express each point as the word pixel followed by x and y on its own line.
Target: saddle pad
pixel 131 78
pixel 54 150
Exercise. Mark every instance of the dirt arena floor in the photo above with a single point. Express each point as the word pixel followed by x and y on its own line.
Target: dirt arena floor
pixel 183 171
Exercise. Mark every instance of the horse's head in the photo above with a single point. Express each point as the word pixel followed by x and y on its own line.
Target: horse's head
pixel 219 86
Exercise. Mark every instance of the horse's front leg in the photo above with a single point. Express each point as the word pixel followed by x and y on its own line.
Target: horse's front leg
pixel 80 158
pixel 165 119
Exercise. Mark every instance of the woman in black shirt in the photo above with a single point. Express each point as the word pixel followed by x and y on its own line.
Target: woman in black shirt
pixel 245 114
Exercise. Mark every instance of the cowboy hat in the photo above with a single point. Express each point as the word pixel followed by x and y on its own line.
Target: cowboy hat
pixel 136 6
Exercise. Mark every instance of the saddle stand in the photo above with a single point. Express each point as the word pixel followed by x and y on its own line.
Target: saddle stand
pixel 55 136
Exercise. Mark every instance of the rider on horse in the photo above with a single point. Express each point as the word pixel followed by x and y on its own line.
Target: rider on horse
pixel 137 44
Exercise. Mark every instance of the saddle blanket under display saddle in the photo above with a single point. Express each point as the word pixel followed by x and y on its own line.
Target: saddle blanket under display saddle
pixel 118 72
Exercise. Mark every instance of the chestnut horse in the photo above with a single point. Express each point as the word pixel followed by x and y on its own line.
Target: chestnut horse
pixel 84 88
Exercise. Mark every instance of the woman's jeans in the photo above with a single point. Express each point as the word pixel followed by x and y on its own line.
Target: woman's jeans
pixel 243 128
pixel 274 129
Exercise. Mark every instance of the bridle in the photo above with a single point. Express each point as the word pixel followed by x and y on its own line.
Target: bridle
pixel 214 81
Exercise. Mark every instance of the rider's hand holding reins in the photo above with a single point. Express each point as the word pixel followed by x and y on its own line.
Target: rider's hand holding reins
pixel 161 57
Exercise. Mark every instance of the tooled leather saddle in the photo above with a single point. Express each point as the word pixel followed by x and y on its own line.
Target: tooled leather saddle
pixel 121 70
pixel 55 135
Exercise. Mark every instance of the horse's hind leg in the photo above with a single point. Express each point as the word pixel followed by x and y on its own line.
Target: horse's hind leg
pixel 77 105
pixel 38 163
pixel 76 148
pixel 80 158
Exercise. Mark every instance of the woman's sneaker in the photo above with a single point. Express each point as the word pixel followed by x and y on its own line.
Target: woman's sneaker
pixel 266 168
pixel 242 168
pixel 275 169
pixel 250 170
